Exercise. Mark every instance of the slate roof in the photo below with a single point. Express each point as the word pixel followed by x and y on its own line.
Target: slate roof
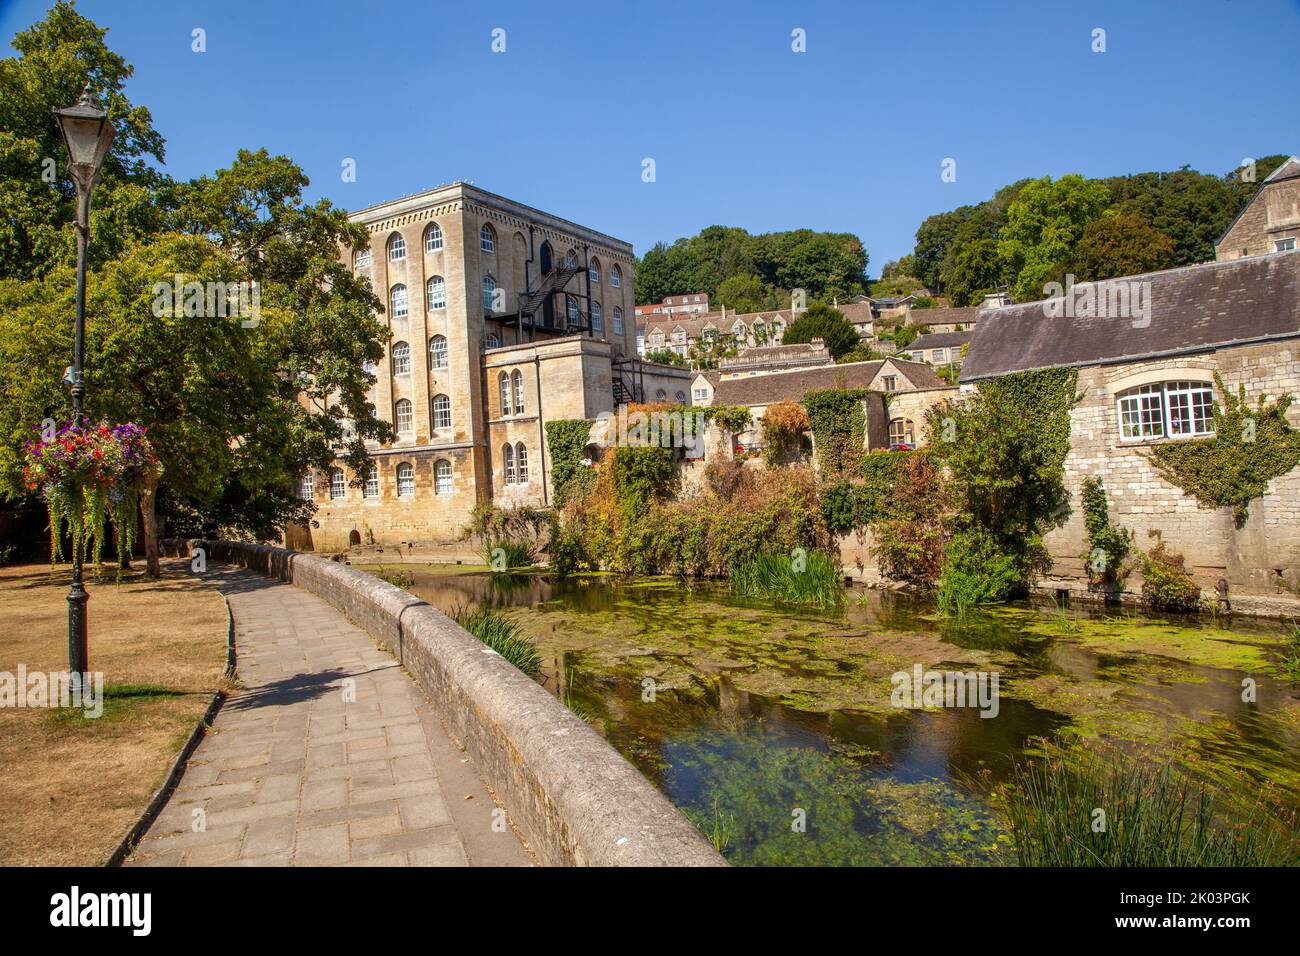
pixel 940 340
pixel 966 315
pixel 794 385
pixel 1193 309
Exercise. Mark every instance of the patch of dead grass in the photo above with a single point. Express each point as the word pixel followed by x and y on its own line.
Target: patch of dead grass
pixel 71 787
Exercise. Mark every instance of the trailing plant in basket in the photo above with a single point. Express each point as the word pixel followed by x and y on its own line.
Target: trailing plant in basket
pixel 89 474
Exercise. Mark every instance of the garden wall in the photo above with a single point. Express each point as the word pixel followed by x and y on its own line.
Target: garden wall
pixel 574 799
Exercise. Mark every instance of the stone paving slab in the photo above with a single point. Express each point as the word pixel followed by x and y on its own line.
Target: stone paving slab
pixel 327 755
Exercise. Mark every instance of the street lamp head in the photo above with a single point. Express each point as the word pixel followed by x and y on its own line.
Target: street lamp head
pixel 88 134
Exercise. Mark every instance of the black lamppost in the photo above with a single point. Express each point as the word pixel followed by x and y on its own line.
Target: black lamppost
pixel 87 133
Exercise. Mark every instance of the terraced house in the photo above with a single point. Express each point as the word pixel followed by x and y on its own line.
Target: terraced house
pixel 680 333
pixel 501 318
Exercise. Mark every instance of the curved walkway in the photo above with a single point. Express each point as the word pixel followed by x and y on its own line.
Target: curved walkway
pixel 327 754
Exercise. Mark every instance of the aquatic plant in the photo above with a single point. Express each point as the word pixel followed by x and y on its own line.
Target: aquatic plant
pixel 506 536
pixel 502 635
pixel 1291 657
pixel 803 577
pixel 717 829
pixel 1086 808
pixel 1166 584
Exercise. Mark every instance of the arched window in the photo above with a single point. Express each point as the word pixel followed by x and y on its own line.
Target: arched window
pixel 489 293
pixel 397 301
pixel 491 340
pixel 438 351
pixel 593 272
pixel 518 378
pixel 404 415
pixel 433 238
pixel 681 397
pixel 521 464
pixel 371 489
pixel 401 358
pixel 361 260
pixel 571 309
pixel 442 477
pixel 503 385
pixel 616 277
pixel 487 238
pixel 901 433
pixel 618 320
pixel 597 320
pixel 396 247
pixel 508 462
pixel 436 290
pixel 571 259
pixel 660 394
pixel 307 487
pixel 441 411
pixel 546 257
pixel 338 484
pixel 1174 409
pixel 406 480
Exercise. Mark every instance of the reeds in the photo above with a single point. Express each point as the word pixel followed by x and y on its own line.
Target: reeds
pixel 807 577
pixel 502 635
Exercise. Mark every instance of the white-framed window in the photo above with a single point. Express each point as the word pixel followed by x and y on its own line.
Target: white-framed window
pixel 517 377
pixel 700 393
pixel 937 355
pixel 401 358
pixel 901 433
pixel 371 487
pixel 521 464
pixel 396 247
pixel 307 487
pixel 597 320
pixel 503 387
pixel 1181 409
pixel 398 301
pixel 487 238
pixel 1284 245
pixel 361 260
pixel 508 462
pixel 491 340
pixel 618 320
pixel 571 259
pixel 404 415
pixel 436 289
pixel 778 329
pixel 616 277
pixel 441 411
pixel 489 293
pixel 442 477
pixel 406 480
pixel 438 351
pixel 433 238
pixel 571 309
pixel 338 484
pixel 593 272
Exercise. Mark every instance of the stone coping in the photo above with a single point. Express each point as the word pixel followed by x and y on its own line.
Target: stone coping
pixel 575 800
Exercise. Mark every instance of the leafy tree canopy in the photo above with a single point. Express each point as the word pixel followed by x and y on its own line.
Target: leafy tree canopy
pixel 820 321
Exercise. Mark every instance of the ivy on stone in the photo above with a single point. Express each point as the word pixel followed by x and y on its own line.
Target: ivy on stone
pixel 567 440
pixel 839 427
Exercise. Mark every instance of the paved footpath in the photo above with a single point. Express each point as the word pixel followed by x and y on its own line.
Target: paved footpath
pixel 295 773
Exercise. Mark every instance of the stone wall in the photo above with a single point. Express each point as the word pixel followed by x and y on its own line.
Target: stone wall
pixel 574 799
pixel 1273 213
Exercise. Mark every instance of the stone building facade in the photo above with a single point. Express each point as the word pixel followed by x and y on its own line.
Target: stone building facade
pixel 1271 220
pixel 480 290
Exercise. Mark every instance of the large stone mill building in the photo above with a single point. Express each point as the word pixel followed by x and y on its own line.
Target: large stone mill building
pixel 502 317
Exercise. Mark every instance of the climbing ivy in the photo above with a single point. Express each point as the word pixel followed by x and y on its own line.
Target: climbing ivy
pixel 1108 544
pixel 732 418
pixel 1250 448
pixel 839 428
pixel 567 441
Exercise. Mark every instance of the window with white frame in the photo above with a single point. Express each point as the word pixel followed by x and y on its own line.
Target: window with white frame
pixel 371 487
pixel 441 411
pixel 307 487
pixel 361 260
pixel 436 289
pixel 397 299
pixel 489 293
pixel 401 358
pixel 406 480
pixel 487 238
pixel 442 477
pixel 404 415
pixel 491 340
pixel 700 393
pixel 396 248
pixel 1181 409
pixel 517 377
pixel 571 259
pixel 438 351
pixel 508 462
pixel 597 320
pixel 593 272
pixel 503 387
pixel 616 277
pixel 338 484
pixel 433 238
pixel 571 309
pixel 521 464
pixel 1284 245
pixel 618 321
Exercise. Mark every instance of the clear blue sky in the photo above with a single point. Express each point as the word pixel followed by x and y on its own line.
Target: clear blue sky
pixel 848 136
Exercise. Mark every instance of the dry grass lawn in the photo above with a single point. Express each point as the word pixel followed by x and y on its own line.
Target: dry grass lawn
pixel 70 787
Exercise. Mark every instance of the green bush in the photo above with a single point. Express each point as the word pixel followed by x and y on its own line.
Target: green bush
pixel 400 579
pixel 977 570
pixel 566 439
pixel 641 475
pixel 1108 545
pixel 803 577
pixel 502 635
pixel 1166 585
pixel 839 427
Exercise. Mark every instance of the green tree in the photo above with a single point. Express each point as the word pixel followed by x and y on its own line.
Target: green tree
pixel 1122 244
pixel 978 270
pixel 1044 222
pixel 743 292
pixel 820 321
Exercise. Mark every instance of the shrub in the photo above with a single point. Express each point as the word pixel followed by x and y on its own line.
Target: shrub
pixel 783 426
pixel 977 570
pixel 803 577
pixel 566 440
pixel 839 427
pixel 506 536
pixel 641 475
pixel 821 321
pixel 501 634
pixel 397 578
pixel 1108 545
pixel 1166 584
pixel 730 418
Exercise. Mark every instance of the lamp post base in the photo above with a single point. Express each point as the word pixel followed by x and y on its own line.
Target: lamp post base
pixel 78 645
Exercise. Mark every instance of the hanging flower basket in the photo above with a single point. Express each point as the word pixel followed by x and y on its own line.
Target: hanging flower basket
pixel 88 474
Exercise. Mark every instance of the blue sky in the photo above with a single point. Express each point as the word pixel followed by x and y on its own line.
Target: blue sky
pixel 849 136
